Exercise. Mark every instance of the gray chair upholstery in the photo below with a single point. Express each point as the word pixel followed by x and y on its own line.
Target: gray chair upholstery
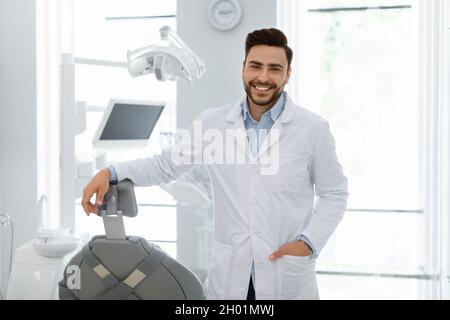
pixel 117 268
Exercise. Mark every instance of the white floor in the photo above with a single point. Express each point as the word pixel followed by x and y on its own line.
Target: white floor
pixel 368 288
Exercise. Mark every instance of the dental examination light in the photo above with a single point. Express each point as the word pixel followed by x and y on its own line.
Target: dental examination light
pixel 166 62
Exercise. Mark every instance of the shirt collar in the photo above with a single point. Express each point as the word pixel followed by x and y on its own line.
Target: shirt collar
pixel 275 111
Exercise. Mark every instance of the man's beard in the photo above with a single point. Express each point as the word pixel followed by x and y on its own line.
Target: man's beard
pixel 266 101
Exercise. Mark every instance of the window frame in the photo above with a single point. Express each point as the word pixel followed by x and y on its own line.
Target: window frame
pixel 434 42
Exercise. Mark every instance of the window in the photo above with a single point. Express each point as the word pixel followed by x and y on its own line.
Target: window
pixel 105 30
pixel 356 63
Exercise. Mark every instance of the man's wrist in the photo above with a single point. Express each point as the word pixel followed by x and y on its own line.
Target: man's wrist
pixel 306 245
pixel 112 174
pixel 107 172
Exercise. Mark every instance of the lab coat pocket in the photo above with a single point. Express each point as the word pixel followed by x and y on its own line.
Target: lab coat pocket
pixel 297 278
pixel 292 173
pixel 220 270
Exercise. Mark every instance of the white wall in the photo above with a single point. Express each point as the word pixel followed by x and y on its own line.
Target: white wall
pixel 1 179
pixel 2 241
pixel 223 53
pixel 18 115
pixel 445 250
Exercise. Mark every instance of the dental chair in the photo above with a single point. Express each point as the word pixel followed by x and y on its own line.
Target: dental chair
pixel 117 267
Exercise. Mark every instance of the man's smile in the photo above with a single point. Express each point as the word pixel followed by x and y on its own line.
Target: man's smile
pixel 260 88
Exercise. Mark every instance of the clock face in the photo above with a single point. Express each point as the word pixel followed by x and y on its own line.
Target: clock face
pixel 224 14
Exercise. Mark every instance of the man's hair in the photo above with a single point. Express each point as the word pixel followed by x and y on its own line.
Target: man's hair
pixel 269 37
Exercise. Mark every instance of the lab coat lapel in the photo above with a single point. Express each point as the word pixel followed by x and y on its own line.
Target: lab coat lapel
pixel 272 137
pixel 277 129
pixel 237 128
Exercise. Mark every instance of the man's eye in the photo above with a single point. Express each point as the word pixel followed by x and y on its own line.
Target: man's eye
pixel 254 66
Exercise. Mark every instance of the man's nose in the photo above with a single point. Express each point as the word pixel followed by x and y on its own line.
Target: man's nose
pixel 263 76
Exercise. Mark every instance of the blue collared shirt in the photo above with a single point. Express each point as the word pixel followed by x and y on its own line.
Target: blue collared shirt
pixel 258 130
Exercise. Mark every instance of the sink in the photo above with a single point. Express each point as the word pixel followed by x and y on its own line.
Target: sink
pixel 55 244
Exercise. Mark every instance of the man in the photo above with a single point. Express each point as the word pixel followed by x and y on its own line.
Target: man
pixel 268 228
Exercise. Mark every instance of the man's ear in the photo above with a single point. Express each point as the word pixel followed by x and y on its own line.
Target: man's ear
pixel 288 76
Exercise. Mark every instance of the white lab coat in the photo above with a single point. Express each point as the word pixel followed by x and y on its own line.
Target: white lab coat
pixel 256 214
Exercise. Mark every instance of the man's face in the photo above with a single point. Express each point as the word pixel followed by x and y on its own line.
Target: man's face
pixel 265 73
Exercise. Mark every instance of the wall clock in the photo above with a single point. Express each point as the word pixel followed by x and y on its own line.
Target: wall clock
pixel 224 14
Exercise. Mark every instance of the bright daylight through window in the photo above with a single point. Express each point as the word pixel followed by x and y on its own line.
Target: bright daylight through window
pixel 356 64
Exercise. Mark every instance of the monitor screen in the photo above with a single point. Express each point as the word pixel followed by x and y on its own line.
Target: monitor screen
pixel 130 122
